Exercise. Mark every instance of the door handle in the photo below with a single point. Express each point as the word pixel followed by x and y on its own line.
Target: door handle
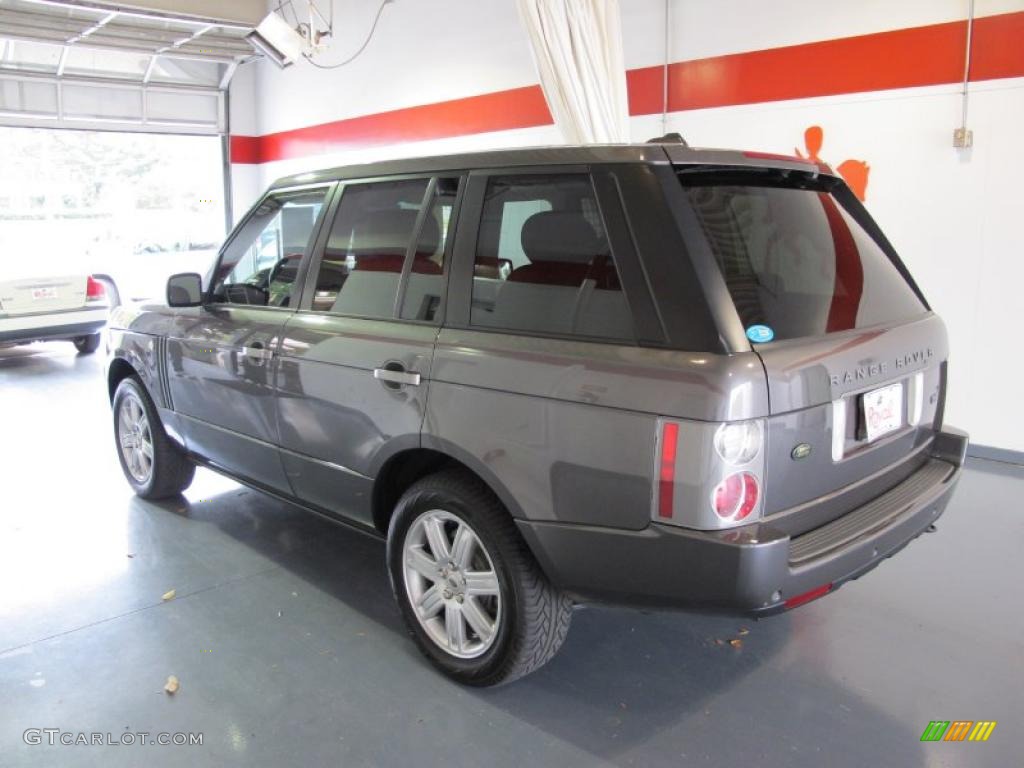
pixel 396 375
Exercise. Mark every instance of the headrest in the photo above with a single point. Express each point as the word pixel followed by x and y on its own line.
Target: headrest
pixel 387 232
pixel 383 232
pixel 560 236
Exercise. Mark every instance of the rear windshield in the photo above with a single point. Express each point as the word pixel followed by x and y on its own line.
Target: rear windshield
pixel 796 262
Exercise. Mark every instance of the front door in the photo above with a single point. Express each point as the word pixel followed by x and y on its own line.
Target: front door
pixel 355 360
pixel 222 357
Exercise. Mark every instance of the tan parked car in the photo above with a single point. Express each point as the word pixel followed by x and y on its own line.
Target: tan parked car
pixel 70 307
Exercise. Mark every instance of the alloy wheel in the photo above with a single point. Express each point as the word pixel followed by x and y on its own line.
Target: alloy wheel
pixel 452 584
pixel 135 438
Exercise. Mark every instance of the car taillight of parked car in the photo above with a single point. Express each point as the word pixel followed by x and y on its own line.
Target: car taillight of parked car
pixel 94 290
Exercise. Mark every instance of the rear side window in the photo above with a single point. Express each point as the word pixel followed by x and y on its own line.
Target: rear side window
pixel 362 263
pixel 543 263
pixel 795 260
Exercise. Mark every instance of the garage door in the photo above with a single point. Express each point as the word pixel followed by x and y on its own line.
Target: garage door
pixel 90 66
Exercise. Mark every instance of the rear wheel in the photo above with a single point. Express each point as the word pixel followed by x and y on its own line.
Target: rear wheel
pixel 86 345
pixel 471 593
pixel 154 466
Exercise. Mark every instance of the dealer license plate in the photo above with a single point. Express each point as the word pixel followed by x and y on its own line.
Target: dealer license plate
pixel 882 410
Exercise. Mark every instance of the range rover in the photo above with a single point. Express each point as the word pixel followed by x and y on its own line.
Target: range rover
pixel 644 374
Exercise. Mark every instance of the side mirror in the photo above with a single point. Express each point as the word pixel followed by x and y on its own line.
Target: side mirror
pixel 185 290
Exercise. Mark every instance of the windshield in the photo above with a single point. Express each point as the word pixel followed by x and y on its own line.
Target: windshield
pixel 796 262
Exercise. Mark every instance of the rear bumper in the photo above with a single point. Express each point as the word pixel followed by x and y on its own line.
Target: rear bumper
pixel 65 324
pixel 751 570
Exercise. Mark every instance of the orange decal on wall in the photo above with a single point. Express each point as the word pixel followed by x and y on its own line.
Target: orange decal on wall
pixel 854 172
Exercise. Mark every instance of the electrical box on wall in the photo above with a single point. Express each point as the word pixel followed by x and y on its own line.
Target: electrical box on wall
pixel 963 138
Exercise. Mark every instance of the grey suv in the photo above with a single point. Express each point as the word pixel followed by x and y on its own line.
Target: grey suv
pixel 641 374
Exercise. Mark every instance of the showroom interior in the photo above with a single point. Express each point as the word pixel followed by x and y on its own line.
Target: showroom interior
pixel 135 136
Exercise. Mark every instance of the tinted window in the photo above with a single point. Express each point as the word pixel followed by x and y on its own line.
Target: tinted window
pixel 543 263
pixel 362 264
pixel 261 263
pixel 794 259
pixel 426 281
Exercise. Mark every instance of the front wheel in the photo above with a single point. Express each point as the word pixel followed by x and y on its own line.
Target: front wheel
pixel 472 595
pixel 154 466
pixel 86 345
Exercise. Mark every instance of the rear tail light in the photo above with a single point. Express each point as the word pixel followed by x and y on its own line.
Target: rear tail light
pixel 667 474
pixel 708 476
pixel 94 290
pixel 739 442
pixel 736 496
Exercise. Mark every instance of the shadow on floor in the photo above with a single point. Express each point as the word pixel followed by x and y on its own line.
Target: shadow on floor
pixel 45 359
pixel 623 679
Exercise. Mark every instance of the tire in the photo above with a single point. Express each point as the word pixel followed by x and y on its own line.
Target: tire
pixel 86 345
pixel 530 617
pixel 168 471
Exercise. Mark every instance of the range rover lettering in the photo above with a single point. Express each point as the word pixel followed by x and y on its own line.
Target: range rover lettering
pixel 646 374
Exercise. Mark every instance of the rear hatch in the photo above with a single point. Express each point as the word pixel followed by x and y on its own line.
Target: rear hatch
pixel 854 359
pixel 34 295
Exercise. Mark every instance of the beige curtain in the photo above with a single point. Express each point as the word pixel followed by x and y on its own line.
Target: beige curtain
pixel 577 47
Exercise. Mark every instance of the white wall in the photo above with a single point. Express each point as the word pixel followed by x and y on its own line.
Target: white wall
pixel 247 181
pixel 952 214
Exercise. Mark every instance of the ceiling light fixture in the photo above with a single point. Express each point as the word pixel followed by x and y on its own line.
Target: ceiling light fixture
pixel 285 41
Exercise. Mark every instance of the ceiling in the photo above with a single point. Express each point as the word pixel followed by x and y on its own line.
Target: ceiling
pixel 58 37
pixel 81 64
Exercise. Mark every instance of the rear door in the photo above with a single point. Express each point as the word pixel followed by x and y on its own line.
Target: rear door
pixel 222 357
pixel 535 380
pixel 356 359
pixel 854 358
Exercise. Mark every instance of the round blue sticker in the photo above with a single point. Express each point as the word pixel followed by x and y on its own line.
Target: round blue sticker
pixel 759 334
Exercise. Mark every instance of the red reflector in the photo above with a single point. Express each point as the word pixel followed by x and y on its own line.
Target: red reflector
pixel 667 475
pixel 94 289
pixel 806 597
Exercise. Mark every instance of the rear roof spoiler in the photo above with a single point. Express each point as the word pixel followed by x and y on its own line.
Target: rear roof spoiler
pixel 685 155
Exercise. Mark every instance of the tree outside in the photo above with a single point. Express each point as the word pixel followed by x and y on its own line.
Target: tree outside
pixel 136 206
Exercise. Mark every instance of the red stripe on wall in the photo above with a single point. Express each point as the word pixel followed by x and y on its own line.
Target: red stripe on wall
pixel 500 111
pixel 247 149
pixel 998 49
pixel 903 58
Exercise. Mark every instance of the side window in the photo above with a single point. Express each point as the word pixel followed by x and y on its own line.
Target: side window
pixel 426 281
pixel 362 264
pixel 262 262
pixel 543 263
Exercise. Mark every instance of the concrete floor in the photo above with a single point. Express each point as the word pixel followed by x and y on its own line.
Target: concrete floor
pixel 290 650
